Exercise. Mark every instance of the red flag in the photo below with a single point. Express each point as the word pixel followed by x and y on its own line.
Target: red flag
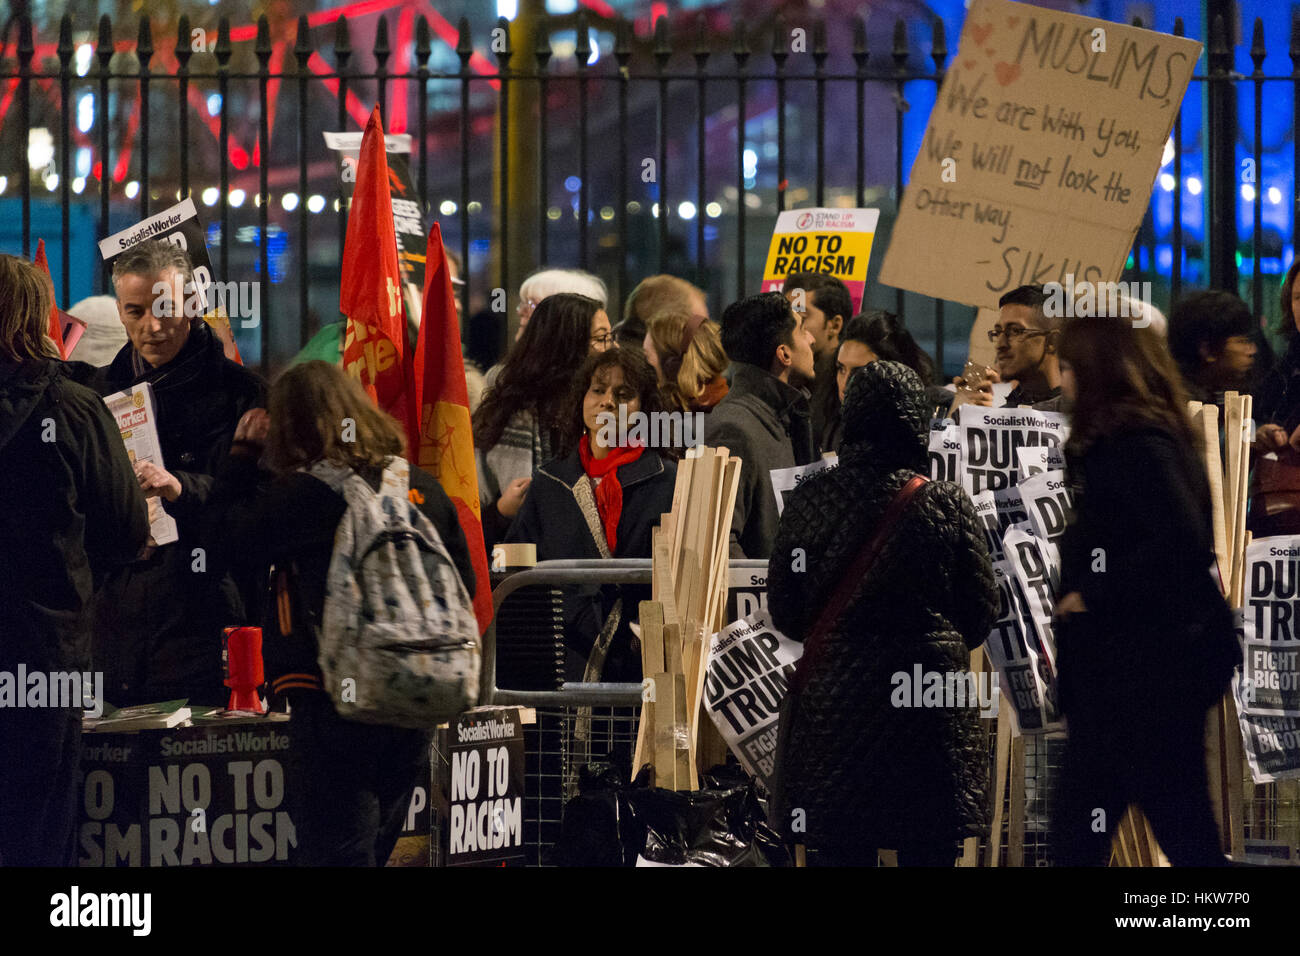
pixel 442 444
pixel 56 323
pixel 370 288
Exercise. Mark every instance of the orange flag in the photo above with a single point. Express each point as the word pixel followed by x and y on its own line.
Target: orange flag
pixel 370 288
pixel 56 324
pixel 443 444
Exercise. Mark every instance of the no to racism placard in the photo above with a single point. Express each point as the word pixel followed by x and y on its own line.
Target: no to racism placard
pixel 1040 154
pixel 834 241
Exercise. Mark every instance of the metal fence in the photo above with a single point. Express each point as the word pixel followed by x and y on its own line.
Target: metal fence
pixel 667 118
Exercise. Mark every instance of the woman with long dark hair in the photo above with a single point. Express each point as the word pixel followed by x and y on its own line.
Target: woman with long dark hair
pixel 870 336
pixel 525 410
pixel 1145 639
pixel 602 499
pixel 352 782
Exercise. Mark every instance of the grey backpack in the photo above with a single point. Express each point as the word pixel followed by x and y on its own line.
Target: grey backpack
pixel 398 642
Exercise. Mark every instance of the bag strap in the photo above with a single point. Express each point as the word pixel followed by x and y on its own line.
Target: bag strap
pixel 814 642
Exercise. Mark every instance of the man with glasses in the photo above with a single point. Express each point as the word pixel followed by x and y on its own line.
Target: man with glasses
pixel 1025 339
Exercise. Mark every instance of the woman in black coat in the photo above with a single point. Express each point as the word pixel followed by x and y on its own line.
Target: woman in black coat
pixel 868 774
pixel 1145 642
pixel 350 783
pixel 73 512
pixel 602 500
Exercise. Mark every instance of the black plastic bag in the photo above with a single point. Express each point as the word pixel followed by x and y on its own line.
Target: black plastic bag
pixel 722 824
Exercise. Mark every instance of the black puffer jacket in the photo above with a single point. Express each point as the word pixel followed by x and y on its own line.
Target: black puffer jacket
pixel 158 622
pixel 869 774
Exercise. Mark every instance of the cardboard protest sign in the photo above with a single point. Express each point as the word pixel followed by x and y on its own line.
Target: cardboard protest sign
pixel 746 592
pixel 193 796
pixel 991 438
pixel 180 225
pixel 749 669
pixel 408 207
pixel 1049 502
pixel 1008 647
pixel 945 450
pixel 835 241
pixel 1040 154
pixel 786 480
pixel 1272 746
pixel 485 818
pixel 1033 565
pixel 1270 672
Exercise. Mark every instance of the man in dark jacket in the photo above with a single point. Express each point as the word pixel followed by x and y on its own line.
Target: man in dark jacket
pixel 827 307
pixel 158 623
pixel 867 772
pixel 765 419
pixel 72 512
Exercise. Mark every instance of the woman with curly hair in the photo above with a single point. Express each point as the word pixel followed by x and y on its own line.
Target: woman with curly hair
pixel 526 410
pixel 601 499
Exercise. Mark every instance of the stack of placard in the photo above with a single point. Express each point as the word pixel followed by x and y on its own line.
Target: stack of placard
pixel 689 598
pixel 1227 472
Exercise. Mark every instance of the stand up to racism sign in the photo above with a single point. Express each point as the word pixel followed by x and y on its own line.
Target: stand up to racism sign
pixel 1040 154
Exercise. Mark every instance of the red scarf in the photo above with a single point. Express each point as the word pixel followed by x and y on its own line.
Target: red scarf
pixel 609 493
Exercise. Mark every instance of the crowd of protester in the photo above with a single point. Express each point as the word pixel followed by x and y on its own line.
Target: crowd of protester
pixel 780 379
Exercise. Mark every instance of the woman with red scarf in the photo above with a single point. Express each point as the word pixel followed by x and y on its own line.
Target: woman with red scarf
pixel 602 499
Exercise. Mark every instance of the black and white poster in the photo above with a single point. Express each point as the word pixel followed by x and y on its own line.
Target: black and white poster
pixel 485 799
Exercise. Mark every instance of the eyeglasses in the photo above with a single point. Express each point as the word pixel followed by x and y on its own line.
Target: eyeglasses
pixel 1014 332
pixel 526 306
pixel 604 340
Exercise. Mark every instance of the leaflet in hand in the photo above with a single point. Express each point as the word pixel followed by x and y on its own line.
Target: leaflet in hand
pixel 137 420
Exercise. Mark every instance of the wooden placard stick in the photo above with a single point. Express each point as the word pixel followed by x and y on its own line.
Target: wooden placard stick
pixel 1232 456
pixel 1122 843
pixel 1136 827
pixel 681 492
pixel 665 759
pixel 673 648
pixel 1016 811
pixel 731 486
pixel 656 543
pixel 720 534
pixel 1209 432
pixel 683 772
pixel 652 637
pixel 652 662
pixel 1242 538
pixel 1001 767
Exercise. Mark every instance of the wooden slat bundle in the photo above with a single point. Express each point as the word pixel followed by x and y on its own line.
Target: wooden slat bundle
pixel 689 589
